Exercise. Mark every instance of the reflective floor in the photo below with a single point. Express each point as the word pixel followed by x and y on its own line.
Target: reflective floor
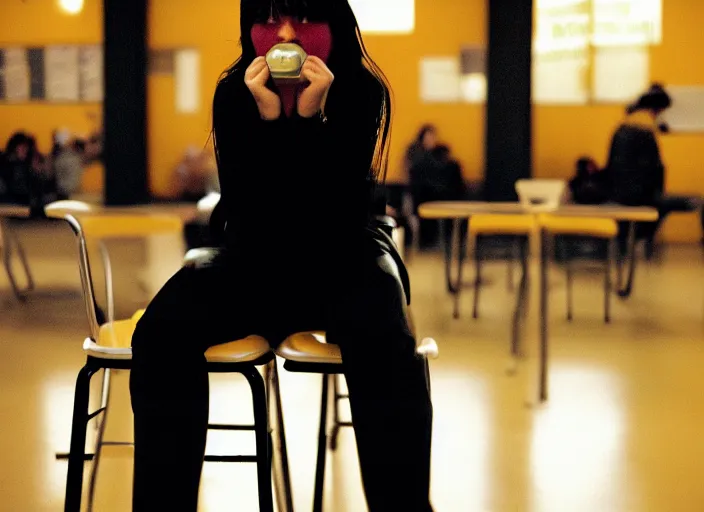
pixel 622 430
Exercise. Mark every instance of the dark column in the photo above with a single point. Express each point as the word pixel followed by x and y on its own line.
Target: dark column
pixel 508 105
pixel 125 103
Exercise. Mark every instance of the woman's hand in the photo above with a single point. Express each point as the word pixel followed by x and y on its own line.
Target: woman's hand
pixel 268 101
pixel 312 99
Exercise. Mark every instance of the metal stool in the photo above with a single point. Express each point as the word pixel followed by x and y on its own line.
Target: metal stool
pixel 109 348
pixel 309 353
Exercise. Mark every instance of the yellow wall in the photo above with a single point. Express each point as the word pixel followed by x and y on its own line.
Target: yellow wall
pixel 40 22
pixel 562 134
pixel 214 28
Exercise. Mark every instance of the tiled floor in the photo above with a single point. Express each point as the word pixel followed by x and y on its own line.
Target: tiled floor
pixel 622 430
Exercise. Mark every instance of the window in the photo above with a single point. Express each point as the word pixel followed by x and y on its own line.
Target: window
pixel 593 50
pixel 385 16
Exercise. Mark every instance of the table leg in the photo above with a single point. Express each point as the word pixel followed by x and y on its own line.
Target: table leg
pixel 8 239
pixel 457 243
pixel 534 343
pixel 544 315
pixel 625 289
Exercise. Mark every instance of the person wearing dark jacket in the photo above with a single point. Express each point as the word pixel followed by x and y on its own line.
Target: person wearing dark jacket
pixel 635 167
pixel 298 165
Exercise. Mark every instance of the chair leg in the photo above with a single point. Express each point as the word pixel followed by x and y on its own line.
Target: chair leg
pixel 322 447
pixel 284 493
pixel 261 426
pixel 478 277
pixel 79 426
pixel 570 279
pixel 100 425
pixel 607 281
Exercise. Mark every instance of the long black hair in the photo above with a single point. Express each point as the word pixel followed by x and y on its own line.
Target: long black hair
pixel 356 74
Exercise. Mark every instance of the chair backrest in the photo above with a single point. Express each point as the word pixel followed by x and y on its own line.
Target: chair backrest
pixel 540 194
pixel 94 226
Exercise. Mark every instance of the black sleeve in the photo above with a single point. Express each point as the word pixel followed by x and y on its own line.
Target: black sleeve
pixel 344 145
pixel 654 164
pixel 242 139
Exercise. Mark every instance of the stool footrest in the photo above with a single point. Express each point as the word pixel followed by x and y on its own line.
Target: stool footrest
pixel 321 368
pixel 230 458
pixel 95 413
pixel 344 424
pixel 231 427
pixel 341 396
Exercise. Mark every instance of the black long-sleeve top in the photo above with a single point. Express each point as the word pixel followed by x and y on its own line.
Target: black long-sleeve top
pixel 295 187
pixel 635 168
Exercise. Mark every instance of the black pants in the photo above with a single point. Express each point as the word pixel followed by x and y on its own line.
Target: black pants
pixel 363 310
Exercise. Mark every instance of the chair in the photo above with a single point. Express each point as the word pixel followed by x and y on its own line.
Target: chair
pixel 108 347
pixel 580 227
pixel 516 226
pixel 309 352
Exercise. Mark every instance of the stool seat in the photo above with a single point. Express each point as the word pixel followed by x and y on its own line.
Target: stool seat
pixel 309 347
pixel 501 224
pixel 579 226
pixel 115 340
pixel 312 348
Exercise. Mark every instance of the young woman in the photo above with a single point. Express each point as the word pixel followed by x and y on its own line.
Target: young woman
pixel 298 166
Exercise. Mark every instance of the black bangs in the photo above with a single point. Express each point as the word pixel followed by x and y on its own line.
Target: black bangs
pixel 311 10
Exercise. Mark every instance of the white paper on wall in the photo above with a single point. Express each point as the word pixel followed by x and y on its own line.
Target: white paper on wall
pixel 440 80
pixel 687 111
pixel 17 75
pixel 385 16
pixel 187 81
pixel 61 72
pixel 561 77
pixel 91 73
pixel 620 73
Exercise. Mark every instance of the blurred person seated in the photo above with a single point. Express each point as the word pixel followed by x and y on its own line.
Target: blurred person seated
pixel 636 169
pixel 434 175
pixel 26 174
pixel 69 162
pixel 591 184
pixel 196 175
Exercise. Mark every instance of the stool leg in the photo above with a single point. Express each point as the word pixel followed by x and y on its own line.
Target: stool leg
pixel 285 502
pixel 322 447
pixel 478 276
pixel 104 402
pixel 261 426
pixel 607 281
pixel 79 426
pixel 336 412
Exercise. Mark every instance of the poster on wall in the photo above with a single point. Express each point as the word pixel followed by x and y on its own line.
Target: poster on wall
pixel 473 84
pixel 440 80
pixel 561 52
pixel 16 75
pixel 626 22
pixel 62 73
pixel 91 73
pixel 620 73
